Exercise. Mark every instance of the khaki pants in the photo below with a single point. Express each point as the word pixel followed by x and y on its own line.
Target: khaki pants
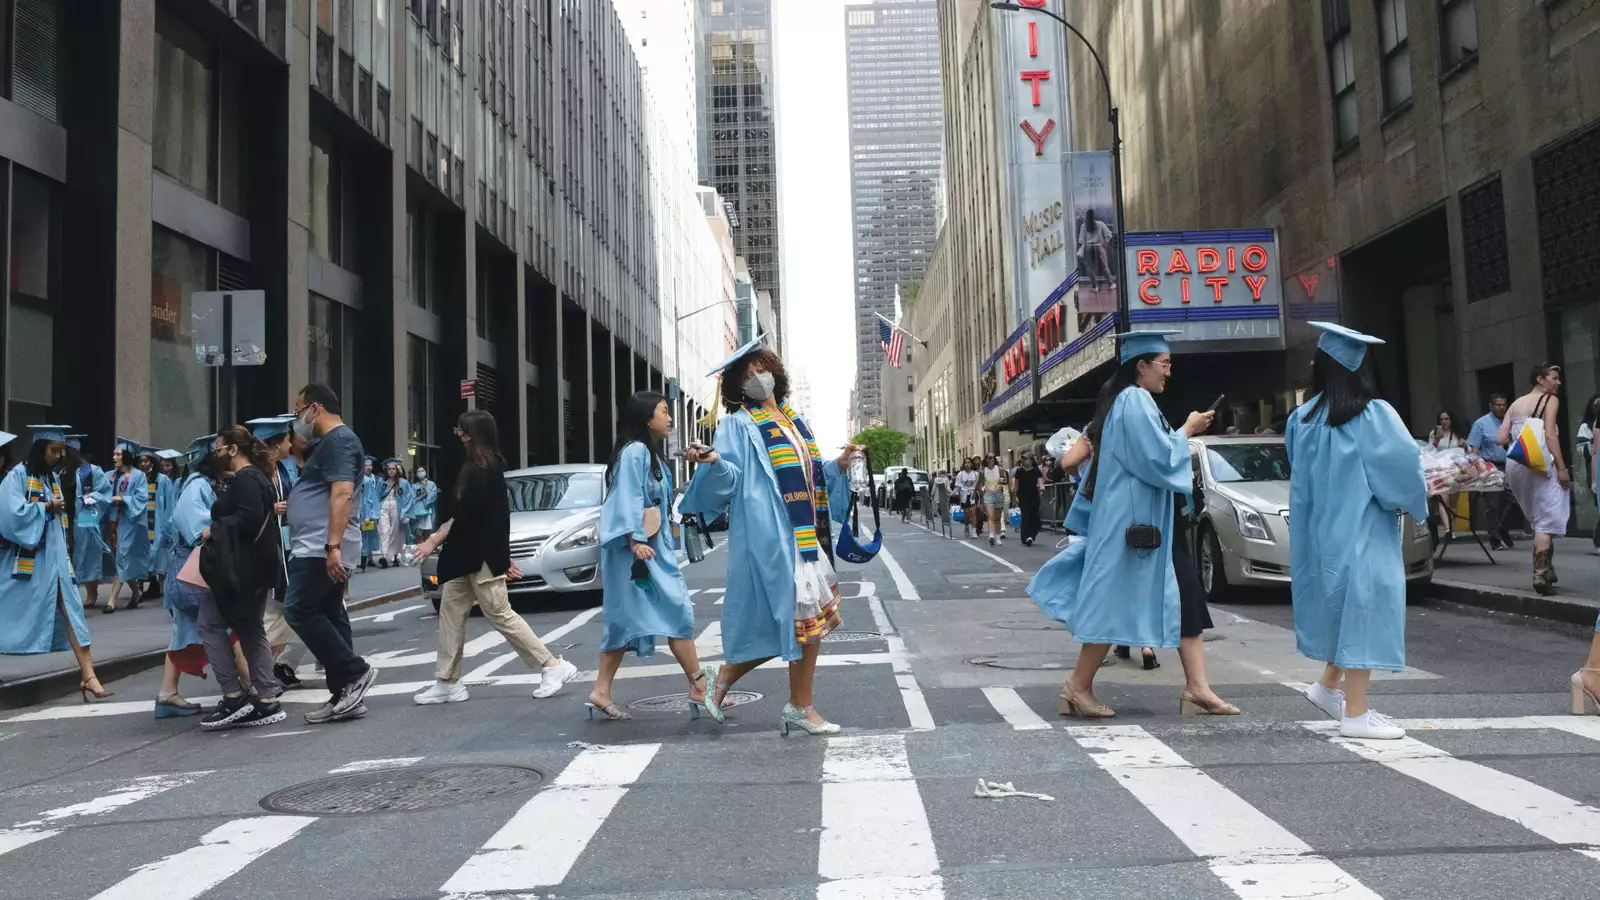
pixel 489 592
pixel 278 630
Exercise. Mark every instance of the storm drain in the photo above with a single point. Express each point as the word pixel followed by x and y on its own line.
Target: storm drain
pixel 409 789
pixel 842 636
pixel 680 702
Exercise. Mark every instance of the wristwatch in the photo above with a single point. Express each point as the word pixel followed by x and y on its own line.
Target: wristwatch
pixel 328 548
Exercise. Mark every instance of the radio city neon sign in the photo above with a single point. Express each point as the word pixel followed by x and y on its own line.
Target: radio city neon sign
pixel 1211 266
pixel 1014 361
pixel 1035 78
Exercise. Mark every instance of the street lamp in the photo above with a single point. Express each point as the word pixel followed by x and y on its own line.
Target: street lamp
pixel 1116 156
pixel 677 357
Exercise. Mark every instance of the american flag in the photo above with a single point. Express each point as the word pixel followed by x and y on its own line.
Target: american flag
pixel 893 342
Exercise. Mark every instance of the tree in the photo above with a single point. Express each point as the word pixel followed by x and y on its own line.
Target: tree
pixel 885 446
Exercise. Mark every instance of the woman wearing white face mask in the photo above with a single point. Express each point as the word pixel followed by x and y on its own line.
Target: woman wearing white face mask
pixel 424 497
pixel 766 472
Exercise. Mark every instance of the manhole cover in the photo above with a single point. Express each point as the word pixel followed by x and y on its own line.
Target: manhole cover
pixel 1028 625
pixel 408 789
pixel 852 636
pixel 680 702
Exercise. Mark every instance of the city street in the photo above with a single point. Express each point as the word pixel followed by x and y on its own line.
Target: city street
pixel 944 673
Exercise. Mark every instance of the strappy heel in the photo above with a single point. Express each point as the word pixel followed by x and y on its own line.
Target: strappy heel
pixel 1073 704
pixel 1581 697
pixel 98 692
pixel 695 707
pixel 709 672
pixel 610 712
pixel 1189 704
pixel 796 717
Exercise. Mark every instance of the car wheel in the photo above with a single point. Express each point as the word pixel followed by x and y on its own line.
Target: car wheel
pixel 1213 577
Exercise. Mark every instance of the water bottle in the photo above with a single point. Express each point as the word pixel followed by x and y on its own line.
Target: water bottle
pixel 860 478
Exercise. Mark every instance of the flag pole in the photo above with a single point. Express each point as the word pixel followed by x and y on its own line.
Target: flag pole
pixel 901 330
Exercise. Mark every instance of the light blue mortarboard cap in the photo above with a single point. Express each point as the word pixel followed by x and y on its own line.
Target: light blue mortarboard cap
pixel 169 454
pixel 391 461
pixel 270 426
pixel 1138 343
pixel 1347 346
pixel 199 447
pixel 127 445
pixel 75 441
pixel 6 437
pixel 371 461
pixel 52 433
pixel 738 354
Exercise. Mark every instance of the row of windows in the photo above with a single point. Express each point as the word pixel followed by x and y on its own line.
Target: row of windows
pixel 1458 43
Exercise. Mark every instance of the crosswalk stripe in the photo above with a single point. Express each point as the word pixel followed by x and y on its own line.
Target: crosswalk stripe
pixel 1002 561
pixel 876 842
pixel 1257 858
pixel 132 791
pixel 372 765
pixel 489 668
pixel 709 643
pixel 221 854
pixel 539 845
pixel 1011 707
pixel 902 584
pixel 1538 809
pixel 481 643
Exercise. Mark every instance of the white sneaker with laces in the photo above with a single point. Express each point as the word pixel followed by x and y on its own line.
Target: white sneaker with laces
pixel 551 679
pixel 442 692
pixel 1372 726
pixel 1330 701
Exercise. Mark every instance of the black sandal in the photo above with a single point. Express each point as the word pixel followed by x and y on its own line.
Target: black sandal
pixel 1150 661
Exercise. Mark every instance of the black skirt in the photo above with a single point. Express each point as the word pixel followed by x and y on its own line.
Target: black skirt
pixel 1194 616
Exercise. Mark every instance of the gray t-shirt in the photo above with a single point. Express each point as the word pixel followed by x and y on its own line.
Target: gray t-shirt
pixel 337 457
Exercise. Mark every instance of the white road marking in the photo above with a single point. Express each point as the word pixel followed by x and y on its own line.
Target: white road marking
pixel 129 792
pixel 917 712
pixel 720 592
pixel 902 584
pixel 482 673
pixel 1257 858
pixel 1004 562
pixel 221 854
pixel 389 616
pixel 279 734
pixel 372 765
pixel 875 841
pixel 538 846
pixel 559 632
pixel 478 645
pixel 1540 810
pixel 1009 705
pixel 709 643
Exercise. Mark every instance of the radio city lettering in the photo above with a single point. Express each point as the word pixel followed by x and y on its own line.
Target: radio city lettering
pixel 1048 331
pixel 1014 362
pixel 1213 267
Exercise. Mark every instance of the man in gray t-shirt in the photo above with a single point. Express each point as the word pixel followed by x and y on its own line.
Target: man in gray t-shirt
pixel 336 459
pixel 325 532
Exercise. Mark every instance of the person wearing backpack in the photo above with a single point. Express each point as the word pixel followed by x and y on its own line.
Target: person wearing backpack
pixel 1535 471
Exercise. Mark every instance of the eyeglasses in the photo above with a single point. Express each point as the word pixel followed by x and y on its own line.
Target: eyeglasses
pixel 300 409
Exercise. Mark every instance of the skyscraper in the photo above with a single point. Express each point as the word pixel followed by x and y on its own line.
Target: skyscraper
pixel 738 133
pixel 896 129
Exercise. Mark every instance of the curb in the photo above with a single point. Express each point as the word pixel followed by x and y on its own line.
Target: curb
pixel 1572 610
pixel 36 689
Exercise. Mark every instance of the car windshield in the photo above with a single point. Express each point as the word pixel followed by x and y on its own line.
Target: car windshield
pixel 919 477
pixel 1248 462
pixel 555 490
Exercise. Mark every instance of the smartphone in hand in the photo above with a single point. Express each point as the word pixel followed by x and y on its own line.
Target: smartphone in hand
pixel 1216 403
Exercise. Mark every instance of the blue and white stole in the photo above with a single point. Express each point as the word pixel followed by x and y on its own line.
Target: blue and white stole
pixel 804 498
pixel 39 490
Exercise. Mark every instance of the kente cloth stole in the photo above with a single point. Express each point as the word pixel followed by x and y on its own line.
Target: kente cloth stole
pixel 804 498
pixel 37 493
pixel 150 511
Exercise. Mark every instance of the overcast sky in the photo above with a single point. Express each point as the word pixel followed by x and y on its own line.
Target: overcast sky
pixel 814 193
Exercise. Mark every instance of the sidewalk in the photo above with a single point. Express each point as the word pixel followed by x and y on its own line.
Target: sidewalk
pixel 1466 576
pixel 130 641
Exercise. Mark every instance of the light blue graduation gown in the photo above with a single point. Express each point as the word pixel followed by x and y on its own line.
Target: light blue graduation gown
pixel 133 540
pixel 28 605
pixel 758 608
pixel 403 494
pixel 1346 568
pixel 1055 586
pixel 161 552
pixel 1127 596
pixel 88 546
pixel 634 615
pixel 293 467
pixel 371 498
pixel 190 515
pixel 423 504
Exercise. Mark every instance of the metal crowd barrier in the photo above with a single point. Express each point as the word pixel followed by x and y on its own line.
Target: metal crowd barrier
pixel 1054 504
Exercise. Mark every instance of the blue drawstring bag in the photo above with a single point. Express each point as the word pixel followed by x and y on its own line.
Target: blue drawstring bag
pixel 848 548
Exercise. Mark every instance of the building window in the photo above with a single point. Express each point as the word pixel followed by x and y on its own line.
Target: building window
pixel 325 197
pixel 181 389
pixel 1458 31
pixel 33 65
pixel 1483 235
pixel 422 380
pixel 331 333
pixel 1341 70
pixel 30 322
pixel 184 107
pixel 1396 52
pixel 420 239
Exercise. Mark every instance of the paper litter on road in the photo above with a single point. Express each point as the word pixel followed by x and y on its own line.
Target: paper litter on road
pixel 996 790
pixel 585 745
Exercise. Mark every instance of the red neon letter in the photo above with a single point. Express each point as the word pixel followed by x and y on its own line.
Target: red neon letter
pixel 1179 263
pixel 1149 262
pixel 1257 255
pixel 1233 260
pixel 1034 4
pixel 1216 283
pixel 1256 283
pixel 1183 288
pixel 1309 282
pixel 1038 137
pixel 1210 260
pixel 1033 38
pixel 1144 291
pixel 1034 77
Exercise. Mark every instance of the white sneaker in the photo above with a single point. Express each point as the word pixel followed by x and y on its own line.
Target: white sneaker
pixel 1330 701
pixel 442 692
pixel 551 679
pixel 991 540
pixel 1371 725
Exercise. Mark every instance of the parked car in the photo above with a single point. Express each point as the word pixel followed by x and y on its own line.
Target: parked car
pixel 555 531
pixel 920 484
pixel 1241 491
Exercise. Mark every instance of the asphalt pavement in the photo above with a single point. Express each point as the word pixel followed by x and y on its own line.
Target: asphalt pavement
pixel 943 673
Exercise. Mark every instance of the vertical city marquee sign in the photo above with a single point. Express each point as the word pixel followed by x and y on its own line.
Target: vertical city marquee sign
pixel 1036 127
